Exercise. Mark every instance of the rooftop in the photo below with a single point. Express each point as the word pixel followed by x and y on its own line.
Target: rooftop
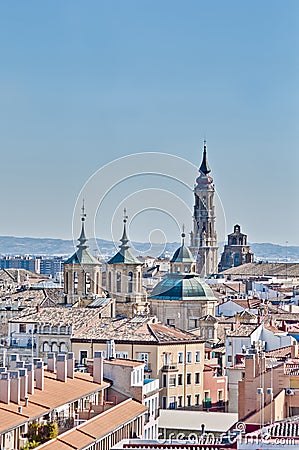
pixel 78 318
pixel 55 394
pixel 97 427
pixel 136 329
pixel 182 286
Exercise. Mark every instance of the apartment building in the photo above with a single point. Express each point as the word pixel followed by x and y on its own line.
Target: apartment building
pixel 173 356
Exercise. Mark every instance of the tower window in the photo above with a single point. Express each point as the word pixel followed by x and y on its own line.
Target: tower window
pixel 130 282
pixel 118 281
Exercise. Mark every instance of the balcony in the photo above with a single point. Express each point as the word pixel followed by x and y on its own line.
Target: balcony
pixel 150 386
pixel 207 403
pixel 170 368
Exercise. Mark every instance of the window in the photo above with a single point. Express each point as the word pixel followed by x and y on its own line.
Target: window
pixel 180 358
pixel 170 322
pixel 22 328
pixel 210 333
pixel 167 359
pixel 118 282
pixel 75 282
pixel 87 282
pixel 188 400
pixel 143 357
pixel 193 323
pixel 197 356
pixel 123 355
pixel 172 402
pixel 197 399
pixel 229 358
pixel 130 282
pixel 109 281
pixel 180 401
pixel 189 357
pixel 172 381
pixel 188 378
pixel 164 380
pixel 163 402
pixel 197 377
pixel 180 379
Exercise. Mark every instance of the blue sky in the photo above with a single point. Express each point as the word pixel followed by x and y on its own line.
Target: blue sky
pixel 83 83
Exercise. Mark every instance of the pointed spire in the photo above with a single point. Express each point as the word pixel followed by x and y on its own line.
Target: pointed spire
pixel 124 239
pixel 204 168
pixel 183 234
pixel 82 238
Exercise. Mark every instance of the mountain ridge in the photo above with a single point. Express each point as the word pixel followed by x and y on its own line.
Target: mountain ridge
pixel 13 245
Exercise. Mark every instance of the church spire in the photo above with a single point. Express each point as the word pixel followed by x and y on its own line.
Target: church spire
pixel 82 238
pixel 124 239
pixel 205 168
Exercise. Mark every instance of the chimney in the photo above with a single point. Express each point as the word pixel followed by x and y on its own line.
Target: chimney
pixel 61 368
pixel 39 375
pixel 52 362
pixel 98 367
pixel 5 387
pixel 15 387
pixel 13 361
pixel 35 361
pixel 20 364
pixel 30 378
pixel 70 365
pixel 23 383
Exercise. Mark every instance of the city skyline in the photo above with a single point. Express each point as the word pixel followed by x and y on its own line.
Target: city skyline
pixel 82 86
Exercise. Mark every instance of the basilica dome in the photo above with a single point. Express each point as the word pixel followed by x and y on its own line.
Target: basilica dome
pixel 182 286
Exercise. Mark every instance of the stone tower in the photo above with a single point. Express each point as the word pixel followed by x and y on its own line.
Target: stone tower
pixel 82 271
pixel 204 237
pixel 236 251
pixel 124 279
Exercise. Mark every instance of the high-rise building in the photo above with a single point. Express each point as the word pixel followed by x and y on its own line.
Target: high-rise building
pixel 204 237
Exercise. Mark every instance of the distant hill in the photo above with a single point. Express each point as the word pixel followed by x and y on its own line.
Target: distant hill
pixel 10 245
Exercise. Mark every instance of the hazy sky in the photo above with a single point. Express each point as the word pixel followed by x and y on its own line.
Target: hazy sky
pixel 85 82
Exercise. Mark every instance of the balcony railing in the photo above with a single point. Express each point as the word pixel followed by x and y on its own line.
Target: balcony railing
pixel 169 368
pixel 207 403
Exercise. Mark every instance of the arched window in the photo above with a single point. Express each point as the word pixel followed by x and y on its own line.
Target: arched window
pixel 66 282
pixel 75 282
pixel 118 281
pixel 46 347
pixel 54 347
pixel 130 282
pixel 62 329
pixel 234 241
pixel 63 347
pixel 240 241
pixel 87 282
pixel 237 260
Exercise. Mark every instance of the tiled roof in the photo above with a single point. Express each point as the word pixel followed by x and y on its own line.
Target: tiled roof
pixel 282 352
pixel 97 427
pixel 55 394
pixel 78 318
pixel 264 269
pixel 124 362
pixel 243 330
pixel 145 329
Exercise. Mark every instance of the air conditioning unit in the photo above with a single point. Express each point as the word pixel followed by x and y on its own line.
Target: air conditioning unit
pixel 290 391
pixel 260 391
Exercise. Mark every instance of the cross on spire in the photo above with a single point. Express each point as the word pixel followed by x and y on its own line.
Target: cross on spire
pixel 83 214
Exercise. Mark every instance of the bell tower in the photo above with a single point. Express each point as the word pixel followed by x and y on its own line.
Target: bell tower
pixel 204 237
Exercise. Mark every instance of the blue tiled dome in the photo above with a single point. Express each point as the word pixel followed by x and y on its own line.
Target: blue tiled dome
pixel 182 286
